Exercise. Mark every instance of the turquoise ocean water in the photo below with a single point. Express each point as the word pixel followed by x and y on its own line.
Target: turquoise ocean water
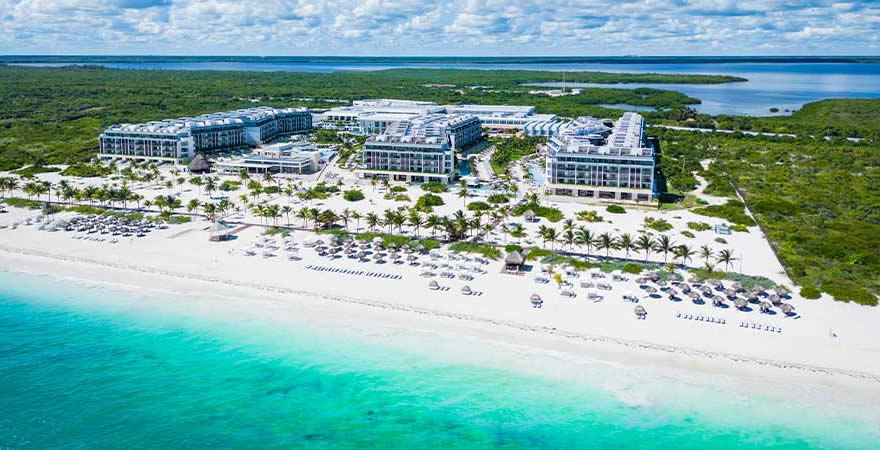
pixel 83 367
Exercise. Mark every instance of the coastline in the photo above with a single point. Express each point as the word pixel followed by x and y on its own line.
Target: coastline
pixel 579 343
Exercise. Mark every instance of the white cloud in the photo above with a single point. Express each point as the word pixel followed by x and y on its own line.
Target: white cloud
pixel 456 27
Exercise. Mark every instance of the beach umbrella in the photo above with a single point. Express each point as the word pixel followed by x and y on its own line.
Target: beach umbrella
pixel 730 292
pixel 536 299
pixel 433 285
pixel 766 306
pixel 774 299
pixel 412 258
pixel 781 291
pixel 753 298
pixel 717 283
pixel 661 283
pixel 740 303
pixel 651 290
pixel 787 309
pixel 717 301
pixel 466 290
pixel 362 255
pixel 640 310
pixel 737 286
pixel 377 240
pixel 694 297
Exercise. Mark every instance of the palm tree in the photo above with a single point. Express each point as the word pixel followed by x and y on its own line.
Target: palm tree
pixel 683 252
pixel 517 230
pixel 665 245
pixel 646 244
pixel 303 214
pixel 584 237
pixel 357 220
pixel 286 210
pixel 210 210
pixel 569 237
pixel 433 222
pixel 193 205
pixel 568 225
pixel 388 219
pixel 197 182
pixel 345 216
pixel 725 256
pixel 625 243
pixel 372 221
pixel 463 193
pixel 605 242
pixel 415 220
pixel 706 252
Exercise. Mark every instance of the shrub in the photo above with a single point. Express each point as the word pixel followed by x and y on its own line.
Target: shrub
pixel 615 209
pixel 435 186
pixel 733 211
pixel 721 240
pixel 486 250
pixel 687 233
pixel 18 202
pixel 739 228
pixel 551 214
pixel 478 206
pixel 634 269
pixel 229 185
pixel 589 216
pixel 537 253
pixel 401 198
pixel 810 292
pixel 848 291
pixel 498 198
pixel 30 171
pixel 271 190
pixel 427 201
pixel 512 248
pixel 699 226
pixel 87 170
pixel 660 225
pixel 397 189
pixel 353 195
pixel 176 220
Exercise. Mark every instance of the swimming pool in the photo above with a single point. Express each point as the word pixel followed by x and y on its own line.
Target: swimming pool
pixel 538 177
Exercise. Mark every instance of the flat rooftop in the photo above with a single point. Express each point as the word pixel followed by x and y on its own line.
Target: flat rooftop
pixel 176 127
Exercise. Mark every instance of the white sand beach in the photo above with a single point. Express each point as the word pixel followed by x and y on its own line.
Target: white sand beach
pixel 829 343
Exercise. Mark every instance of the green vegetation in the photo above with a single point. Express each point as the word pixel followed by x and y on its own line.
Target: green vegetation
pixel 427 202
pixel 353 195
pixel 615 209
pixel 87 170
pixel 699 226
pixel 401 198
pixel 435 187
pixel 479 206
pixel 488 251
pixel 547 212
pixel 687 233
pixel 589 216
pixel 511 149
pixel 229 185
pixel 30 171
pixel 739 228
pixel 271 231
pixel 326 137
pixel 177 220
pixel 747 281
pixel 733 210
pixel 498 199
pixel 398 189
pixel 54 115
pixel 18 202
pixel 660 225
pixel 810 292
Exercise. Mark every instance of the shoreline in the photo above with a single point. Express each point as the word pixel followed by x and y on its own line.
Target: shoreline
pixel 593 346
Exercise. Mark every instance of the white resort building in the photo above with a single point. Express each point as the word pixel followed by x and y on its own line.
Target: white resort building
pixel 419 150
pixel 180 139
pixel 595 159
pixel 281 158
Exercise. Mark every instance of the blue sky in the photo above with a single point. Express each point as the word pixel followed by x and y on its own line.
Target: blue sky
pixel 456 27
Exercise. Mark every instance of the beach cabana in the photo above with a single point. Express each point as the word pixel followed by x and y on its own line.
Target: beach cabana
pixel 433 285
pixel 199 164
pixel 466 290
pixel 514 261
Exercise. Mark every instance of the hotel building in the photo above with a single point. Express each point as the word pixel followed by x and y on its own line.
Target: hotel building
pixel 419 150
pixel 179 139
pixel 602 160
pixel 281 158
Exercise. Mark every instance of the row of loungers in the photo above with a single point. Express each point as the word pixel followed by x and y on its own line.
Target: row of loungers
pixel 758 326
pixel 701 318
pixel 389 276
